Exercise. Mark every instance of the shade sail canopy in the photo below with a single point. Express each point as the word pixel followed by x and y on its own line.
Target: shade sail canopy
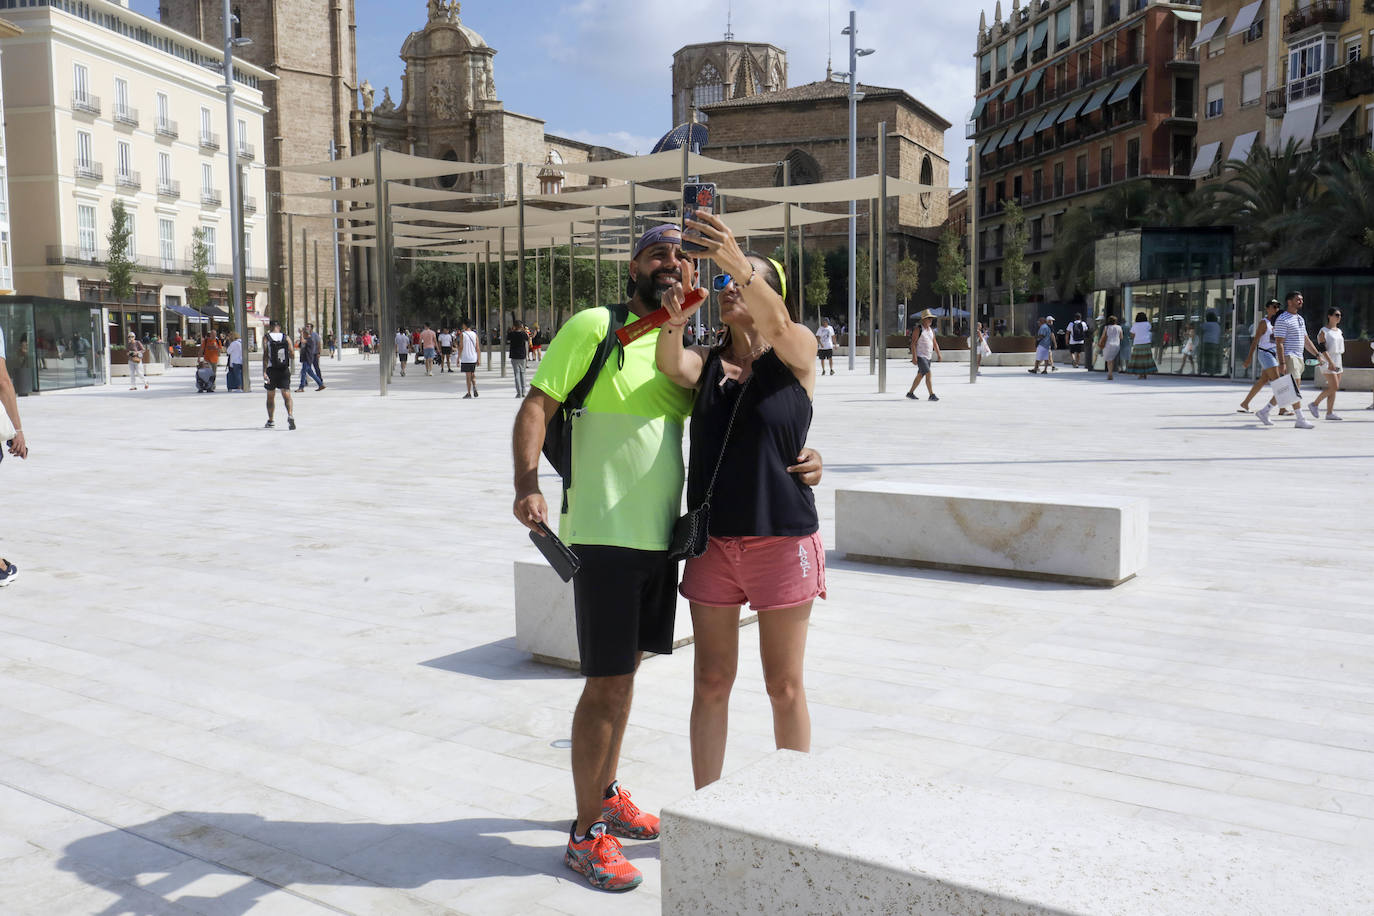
pixel 765 218
pixel 1071 109
pixel 1332 125
pixel 1095 102
pixel 1245 17
pixel 1206 157
pixel 616 195
pixel 658 167
pixel 396 193
pixel 1051 117
pixel 505 216
pixel 864 188
pixel 1208 32
pixel 1123 91
pixel 1015 88
pixel 395 166
pixel 1298 124
pixel 1240 149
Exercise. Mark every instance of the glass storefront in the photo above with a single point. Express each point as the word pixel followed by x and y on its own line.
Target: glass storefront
pixel 52 344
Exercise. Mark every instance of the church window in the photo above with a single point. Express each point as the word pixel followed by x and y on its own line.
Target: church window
pixel 927 177
pixel 802 168
pixel 448 181
pixel 709 87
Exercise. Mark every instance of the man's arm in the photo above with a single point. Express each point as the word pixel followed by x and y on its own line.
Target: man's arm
pixel 531 422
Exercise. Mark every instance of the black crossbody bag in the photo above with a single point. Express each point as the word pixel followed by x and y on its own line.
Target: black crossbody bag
pixel 690 533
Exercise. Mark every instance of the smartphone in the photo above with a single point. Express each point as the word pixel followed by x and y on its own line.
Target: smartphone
pixel 695 197
pixel 559 555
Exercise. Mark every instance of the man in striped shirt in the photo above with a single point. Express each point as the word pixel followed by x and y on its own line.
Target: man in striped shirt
pixel 1290 337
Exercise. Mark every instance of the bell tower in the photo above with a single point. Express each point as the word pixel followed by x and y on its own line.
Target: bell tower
pixel 310 46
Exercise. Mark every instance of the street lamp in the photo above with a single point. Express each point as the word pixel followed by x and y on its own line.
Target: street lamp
pixel 855 52
pixel 235 201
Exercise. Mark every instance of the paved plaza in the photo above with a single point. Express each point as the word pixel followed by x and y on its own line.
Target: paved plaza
pixel 273 672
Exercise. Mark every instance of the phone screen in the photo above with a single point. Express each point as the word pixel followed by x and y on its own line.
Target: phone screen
pixel 695 197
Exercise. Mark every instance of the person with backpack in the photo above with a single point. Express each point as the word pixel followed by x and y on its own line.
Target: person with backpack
pixel 1079 335
pixel 276 374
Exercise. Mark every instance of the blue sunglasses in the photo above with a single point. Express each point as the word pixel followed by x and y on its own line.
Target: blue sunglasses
pixel 720 281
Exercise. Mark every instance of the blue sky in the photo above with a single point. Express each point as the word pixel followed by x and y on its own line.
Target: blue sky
pixel 598 70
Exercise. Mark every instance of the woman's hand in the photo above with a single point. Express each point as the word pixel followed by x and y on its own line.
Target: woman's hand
pixel 720 245
pixel 675 297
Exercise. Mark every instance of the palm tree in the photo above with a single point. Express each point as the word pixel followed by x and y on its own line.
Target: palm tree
pixel 1335 230
pixel 1260 196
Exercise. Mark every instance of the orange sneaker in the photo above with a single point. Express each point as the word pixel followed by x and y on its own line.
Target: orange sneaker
pixel 598 857
pixel 624 818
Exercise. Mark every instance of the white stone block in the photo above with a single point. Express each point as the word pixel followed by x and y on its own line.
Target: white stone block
pixel 545 622
pixel 1352 379
pixel 801 834
pixel 1062 537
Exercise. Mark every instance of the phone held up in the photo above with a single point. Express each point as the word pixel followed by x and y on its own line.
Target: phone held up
pixel 695 197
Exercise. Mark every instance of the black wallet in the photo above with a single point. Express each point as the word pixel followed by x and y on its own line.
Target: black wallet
pixel 559 555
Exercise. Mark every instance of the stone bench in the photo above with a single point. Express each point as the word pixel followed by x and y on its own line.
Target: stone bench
pixel 545 622
pixel 1086 540
pixel 1352 379
pixel 842 837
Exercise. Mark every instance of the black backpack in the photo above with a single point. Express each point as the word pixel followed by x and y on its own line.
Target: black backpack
pixel 278 352
pixel 558 435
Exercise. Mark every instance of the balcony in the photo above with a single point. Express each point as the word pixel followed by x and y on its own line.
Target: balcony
pixel 246 151
pixel 1305 88
pixel 165 127
pixel 126 116
pixel 89 170
pixel 1184 58
pixel 209 197
pixel 1276 102
pixel 73 254
pixel 86 103
pixel 250 205
pixel 128 181
pixel 1325 15
pixel 1349 81
pixel 209 141
pixel 169 189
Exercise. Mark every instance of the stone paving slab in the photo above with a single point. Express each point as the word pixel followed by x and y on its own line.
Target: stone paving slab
pixel 274 672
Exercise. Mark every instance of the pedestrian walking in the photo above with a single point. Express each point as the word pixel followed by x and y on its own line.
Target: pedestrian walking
pixel 429 348
pixel 984 349
pixel 310 358
pixel 1189 349
pixel 825 345
pixel 276 374
pixel 12 440
pixel 137 354
pixel 1292 342
pixel 1142 364
pixel 402 350
pixel 1331 345
pixel 518 348
pixel 315 352
pixel 1263 349
pixel 1110 345
pixel 445 350
pixel 1079 335
pixel 233 379
pixel 469 353
pixel 923 348
pixel 210 351
pixel 537 342
pixel 1053 343
pixel 1044 347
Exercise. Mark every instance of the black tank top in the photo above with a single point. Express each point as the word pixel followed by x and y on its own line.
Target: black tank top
pixel 754 494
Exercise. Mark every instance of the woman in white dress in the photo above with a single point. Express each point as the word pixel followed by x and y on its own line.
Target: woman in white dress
pixel 1109 345
pixel 1331 343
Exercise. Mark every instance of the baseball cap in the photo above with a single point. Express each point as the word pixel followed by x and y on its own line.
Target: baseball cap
pixel 653 235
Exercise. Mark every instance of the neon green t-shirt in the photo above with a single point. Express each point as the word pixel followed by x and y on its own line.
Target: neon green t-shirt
pixel 627 446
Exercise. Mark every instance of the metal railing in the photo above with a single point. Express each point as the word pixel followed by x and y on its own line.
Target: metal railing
pixel 1305 88
pixel 209 141
pixel 250 205
pixel 86 168
pixel 84 101
pixel 129 180
pixel 166 127
pixel 1316 13
pixel 209 197
pixel 1276 102
pixel 246 151
pixel 1070 185
pixel 123 114
pixel 95 257
pixel 169 188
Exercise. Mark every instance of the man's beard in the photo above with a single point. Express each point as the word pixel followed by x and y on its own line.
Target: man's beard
pixel 649 288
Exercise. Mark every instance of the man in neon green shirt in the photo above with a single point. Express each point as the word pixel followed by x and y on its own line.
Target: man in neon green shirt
pixel 625 494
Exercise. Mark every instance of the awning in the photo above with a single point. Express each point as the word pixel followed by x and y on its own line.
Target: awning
pixel 990 143
pixel 1072 109
pixel 1010 137
pixel 1332 126
pixel 1042 31
pixel 1050 117
pixel 1245 18
pixel 1240 149
pixel 185 311
pixel 1015 88
pixel 1187 15
pixel 1208 32
pixel 1298 124
pixel 1096 101
pixel 216 313
pixel 1020 45
pixel 1124 90
pixel 1034 80
pixel 1028 129
pixel 1205 157
pixel 983 103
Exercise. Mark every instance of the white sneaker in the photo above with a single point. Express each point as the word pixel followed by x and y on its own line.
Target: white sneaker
pixel 1312 409
pixel 1263 416
pixel 1303 423
pixel 1332 416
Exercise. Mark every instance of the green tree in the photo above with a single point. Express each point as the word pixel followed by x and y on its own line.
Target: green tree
pixel 817 292
pixel 119 269
pixel 908 279
pixel 1334 231
pixel 198 293
pixel 1015 270
pixel 951 274
pixel 1260 198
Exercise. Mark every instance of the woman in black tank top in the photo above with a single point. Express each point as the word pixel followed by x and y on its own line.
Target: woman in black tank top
pixel 765 545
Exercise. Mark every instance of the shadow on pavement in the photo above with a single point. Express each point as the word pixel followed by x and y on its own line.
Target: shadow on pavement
pixel 499 661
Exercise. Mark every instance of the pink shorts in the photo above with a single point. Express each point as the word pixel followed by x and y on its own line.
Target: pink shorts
pixel 767 572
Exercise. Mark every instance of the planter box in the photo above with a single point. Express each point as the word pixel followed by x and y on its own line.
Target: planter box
pixel 1012 344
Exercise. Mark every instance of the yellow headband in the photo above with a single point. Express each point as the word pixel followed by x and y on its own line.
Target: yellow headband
pixel 782 277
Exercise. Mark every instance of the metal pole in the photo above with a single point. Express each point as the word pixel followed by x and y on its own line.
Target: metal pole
pixel 872 258
pixel 853 173
pixel 520 253
pixel 598 257
pixel 338 282
pixel 318 299
pixel 786 218
pixel 880 303
pixel 387 341
pixel 553 321
pixel 973 199
pixel 290 272
pixel 538 296
pixel 501 301
pixel 486 296
pixel 235 201
pixel 572 294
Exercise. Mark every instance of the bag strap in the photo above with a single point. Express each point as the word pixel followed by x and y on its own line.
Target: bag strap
pixel 720 459
pixel 578 396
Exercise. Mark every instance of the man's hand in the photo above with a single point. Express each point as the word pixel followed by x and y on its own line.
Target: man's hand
pixel 808 467
pixel 531 509
pixel 19 447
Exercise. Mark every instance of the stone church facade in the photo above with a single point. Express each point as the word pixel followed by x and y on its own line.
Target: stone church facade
pixel 718 71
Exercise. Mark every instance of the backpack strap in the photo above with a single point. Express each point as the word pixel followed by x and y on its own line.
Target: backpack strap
pixel 578 396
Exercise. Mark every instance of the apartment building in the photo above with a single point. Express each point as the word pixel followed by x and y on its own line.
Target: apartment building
pixel 1240 60
pixel 103 105
pixel 7 30
pixel 1073 97
pixel 1324 91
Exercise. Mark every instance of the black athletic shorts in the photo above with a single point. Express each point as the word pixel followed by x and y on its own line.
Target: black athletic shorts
pixel 826 354
pixel 626 600
pixel 278 378
pixel 446 350
pixel 468 367
pixel 403 357
pixel 1075 348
